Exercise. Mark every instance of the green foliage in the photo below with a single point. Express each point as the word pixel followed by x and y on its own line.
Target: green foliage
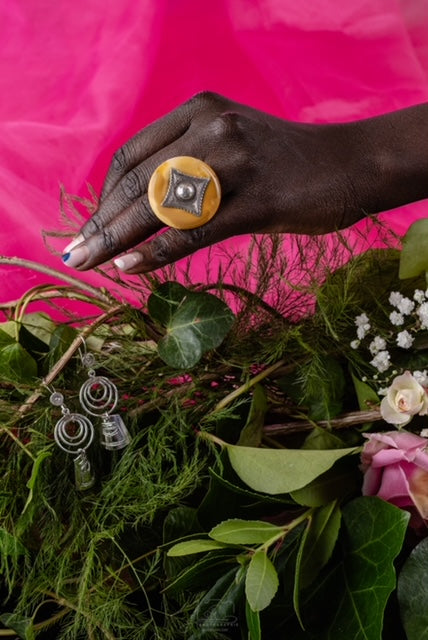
pixel 413 593
pixel 261 582
pixel 413 257
pixel 177 539
pixel 276 471
pixel 194 322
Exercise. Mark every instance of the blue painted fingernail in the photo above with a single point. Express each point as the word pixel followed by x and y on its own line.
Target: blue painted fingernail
pixel 76 257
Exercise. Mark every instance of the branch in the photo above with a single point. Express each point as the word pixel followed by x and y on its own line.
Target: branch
pixel 341 422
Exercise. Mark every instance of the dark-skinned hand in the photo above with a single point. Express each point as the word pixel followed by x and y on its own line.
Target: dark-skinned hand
pixel 275 175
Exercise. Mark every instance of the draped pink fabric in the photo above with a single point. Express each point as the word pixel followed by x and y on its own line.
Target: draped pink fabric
pixel 77 79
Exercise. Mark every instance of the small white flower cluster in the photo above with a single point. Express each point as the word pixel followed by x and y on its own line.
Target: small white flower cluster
pixel 414 313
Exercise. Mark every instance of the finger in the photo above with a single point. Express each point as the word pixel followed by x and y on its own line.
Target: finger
pixel 156 136
pixel 174 244
pixel 134 225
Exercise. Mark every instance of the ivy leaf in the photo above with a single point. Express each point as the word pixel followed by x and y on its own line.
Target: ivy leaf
pixel 413 593
pixel 194 324
pixel 413 257
pixel 22 626
pixel 217 609
pixel 316 546
pixel 236 531
pixel 261 582
pixel 60 341
pixel 365 577
pixel 187 547
pixel 282 470
pixel 165 300
pixel 16 364
pixel 253 623
pixel 251 434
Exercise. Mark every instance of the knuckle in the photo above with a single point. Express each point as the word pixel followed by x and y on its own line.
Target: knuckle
pixel 227 126
pixel 109 241
pixel 118 162
pixel 94 225
pixel 131 186
pixel 206 101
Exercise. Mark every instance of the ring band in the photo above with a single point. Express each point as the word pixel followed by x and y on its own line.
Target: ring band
pixel 184 192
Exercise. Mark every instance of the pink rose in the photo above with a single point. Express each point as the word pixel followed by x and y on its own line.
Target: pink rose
pixel 395 466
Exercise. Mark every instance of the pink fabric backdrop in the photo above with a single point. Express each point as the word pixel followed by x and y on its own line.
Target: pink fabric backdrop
pixel 79 78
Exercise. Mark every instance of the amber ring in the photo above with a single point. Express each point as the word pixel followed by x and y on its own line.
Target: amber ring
pixel 184 192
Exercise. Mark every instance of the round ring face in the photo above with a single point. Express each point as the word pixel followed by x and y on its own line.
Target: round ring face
pixel 184 192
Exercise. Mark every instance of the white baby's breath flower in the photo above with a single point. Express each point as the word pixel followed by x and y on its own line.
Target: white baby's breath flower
pixel 397 319
pixel 381 361
pixel 361 332
pixel 404 339
pixel 421 377
pixel 419 296
pixel 424 433
pixel 422 312
pixel 405 398
pixel 362 320
pixel 395 298
pixel 355 344
pixel 406 306
pixel 376 345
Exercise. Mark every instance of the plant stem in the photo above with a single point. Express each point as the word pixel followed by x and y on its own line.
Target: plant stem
pixel 247 386
pixel 41 268
pixel 59 366
pixel 341 422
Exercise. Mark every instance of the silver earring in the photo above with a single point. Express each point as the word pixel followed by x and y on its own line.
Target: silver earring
pixel 98 397
pixel 74 433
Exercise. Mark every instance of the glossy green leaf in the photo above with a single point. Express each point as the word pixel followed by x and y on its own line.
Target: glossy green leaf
pixel 413 593
pixel 343 480
pixel 217 611
pixel 22 626
pixel 16 364
pixel 261 582
pixel 165 300
pixel 187 547
pixel 61 339
pixel 365 394
pixel 364 579
pixel 253 623
pixel 251 434
pixel 195 322
pixel 201 574
pixel 316 546
pixel 282 470
pixel 237 531
pixel 414 256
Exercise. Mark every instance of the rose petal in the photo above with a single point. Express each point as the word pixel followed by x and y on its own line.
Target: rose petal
pixel 395 486
pixel 418 489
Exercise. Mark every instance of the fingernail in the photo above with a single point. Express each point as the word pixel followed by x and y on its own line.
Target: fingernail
pixel 76 258
pixel 77 240
pixel 128 261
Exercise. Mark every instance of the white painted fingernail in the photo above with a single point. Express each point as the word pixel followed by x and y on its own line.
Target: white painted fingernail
pixel 77 240
pixel 128 261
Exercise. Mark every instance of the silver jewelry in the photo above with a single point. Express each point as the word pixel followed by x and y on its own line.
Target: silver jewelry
pixel 74 433
pixel 98 397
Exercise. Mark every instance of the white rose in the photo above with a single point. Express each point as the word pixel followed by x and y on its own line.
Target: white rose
pixel 405 398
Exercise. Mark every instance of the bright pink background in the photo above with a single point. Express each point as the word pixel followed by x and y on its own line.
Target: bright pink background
pixel 79 78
